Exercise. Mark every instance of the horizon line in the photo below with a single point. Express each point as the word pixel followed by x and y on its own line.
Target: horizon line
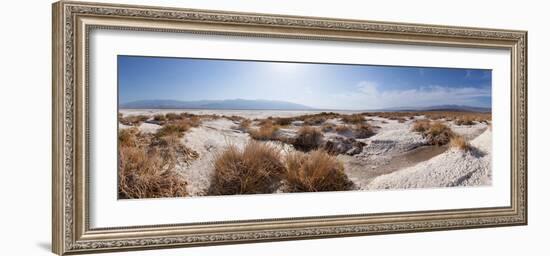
pixel 394 108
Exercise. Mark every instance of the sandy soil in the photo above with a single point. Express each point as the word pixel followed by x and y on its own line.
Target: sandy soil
pixel 394 158
pixel 394 148
pixel 210 139
pixel 452 168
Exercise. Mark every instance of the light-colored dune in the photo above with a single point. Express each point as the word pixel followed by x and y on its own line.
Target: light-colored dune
pixel 143 127
pixel 452 168
pixel 392 138
pixel 208 140
pixel 149 128
pixel 395 157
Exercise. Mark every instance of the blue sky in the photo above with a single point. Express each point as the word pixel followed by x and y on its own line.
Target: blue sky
pixel 327 86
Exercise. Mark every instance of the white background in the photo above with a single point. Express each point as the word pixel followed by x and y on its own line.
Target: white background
pixel 107 211
pixel 25 100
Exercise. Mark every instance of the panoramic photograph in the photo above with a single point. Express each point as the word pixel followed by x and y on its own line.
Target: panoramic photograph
pixel 192 127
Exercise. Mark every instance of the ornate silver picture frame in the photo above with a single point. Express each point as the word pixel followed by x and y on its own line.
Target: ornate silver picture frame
pixel 74 21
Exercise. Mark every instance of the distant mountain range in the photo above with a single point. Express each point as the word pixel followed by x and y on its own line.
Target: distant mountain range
pixel 440 108
pixel 215 104
pixel 243 104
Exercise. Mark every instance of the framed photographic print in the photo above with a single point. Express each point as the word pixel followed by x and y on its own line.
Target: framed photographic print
pixel 178 127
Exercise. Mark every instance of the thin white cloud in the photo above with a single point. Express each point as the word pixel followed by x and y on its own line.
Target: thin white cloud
pixel 368 96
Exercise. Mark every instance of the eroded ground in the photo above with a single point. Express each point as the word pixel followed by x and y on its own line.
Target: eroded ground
pixel 377 150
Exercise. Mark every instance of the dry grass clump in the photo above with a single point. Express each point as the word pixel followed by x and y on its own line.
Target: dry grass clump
pixel 244 125
pixel 399 119
pixel 147 161
pixel 172 116
pixel 283 121
pixel 315 120
pixel 459 142
pixel 308 138
pixel 314 171
pixel 353 119
pixel 170 148
pixel 439 134
pixel 436 132
pixel 174 128
pixel 362 131
pixel 132 137
pixel 328 127
pixel 267 131
pixel 178 126
pixel 421 125
pixel 193 121
pixel 133 119
pixel 128 137
pixel 145 169
pixel 160 118
pixel 465 120
pixel 262 122
pixel 234 118
pixel 254 170
pixel 343 129
pixel 145 174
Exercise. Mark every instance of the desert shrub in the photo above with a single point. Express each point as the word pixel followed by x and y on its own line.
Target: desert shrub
pixel 398 119
pixel 268 131
pixel 283 121
pixel 234 118
pixel 145 174
pixel 438 134
pixel 171 149
pixel 128 137
pixel 244 125
pixel 328 127
pixel 133 119
pixel 318 118
pixel 315 120
pixel 465 120
pixel 264 121
pixel 353 119
pixel 308 138
pixel 147 161
pixel 459 142
pixel 159 117
pixel 362 131
pixel 343 129
pixel 255 169
pixel 421 125
pixel 172 116
pixel 174 128
pixel 314 171
pixel 194 121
